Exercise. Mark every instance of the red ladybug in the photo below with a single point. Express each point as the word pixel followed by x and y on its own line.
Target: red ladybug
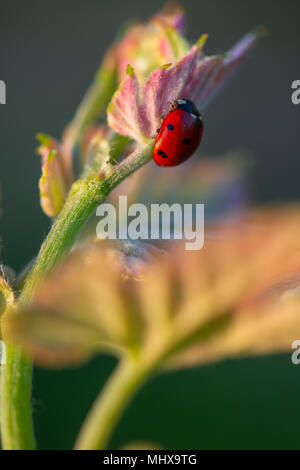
pixel 180 134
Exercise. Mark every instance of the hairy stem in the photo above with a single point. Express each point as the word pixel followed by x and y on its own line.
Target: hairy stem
pixel 85 195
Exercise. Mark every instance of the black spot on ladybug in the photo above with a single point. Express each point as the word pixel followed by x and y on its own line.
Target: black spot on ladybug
pixel 186 141
pixel 162 154
pixel 170 127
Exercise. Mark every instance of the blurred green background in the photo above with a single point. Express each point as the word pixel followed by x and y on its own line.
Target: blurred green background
pixel 49 51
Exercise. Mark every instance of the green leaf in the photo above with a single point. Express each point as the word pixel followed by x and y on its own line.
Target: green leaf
pixel 52 337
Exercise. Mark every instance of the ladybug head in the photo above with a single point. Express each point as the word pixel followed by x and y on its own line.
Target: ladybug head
pixel 186 105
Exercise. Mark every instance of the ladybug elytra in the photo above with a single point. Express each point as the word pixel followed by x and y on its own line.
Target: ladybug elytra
pixel 179 135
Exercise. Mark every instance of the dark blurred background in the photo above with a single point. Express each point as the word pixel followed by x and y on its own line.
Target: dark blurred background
pixel 49 51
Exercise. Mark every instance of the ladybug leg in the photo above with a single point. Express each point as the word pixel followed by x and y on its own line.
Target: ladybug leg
pixel 157 130
pixel 173 105
pixel 161 121
pixel 156 133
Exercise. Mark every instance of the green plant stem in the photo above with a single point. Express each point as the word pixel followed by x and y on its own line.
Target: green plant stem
pixel 85 195
pixel 92 106
pixel 108 407
pixel 16 420
pixel 97 97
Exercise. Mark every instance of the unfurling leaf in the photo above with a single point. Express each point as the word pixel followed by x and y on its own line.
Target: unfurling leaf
pixel 150 45
pixel 136 108
pixel 146 47
pixel 56 177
